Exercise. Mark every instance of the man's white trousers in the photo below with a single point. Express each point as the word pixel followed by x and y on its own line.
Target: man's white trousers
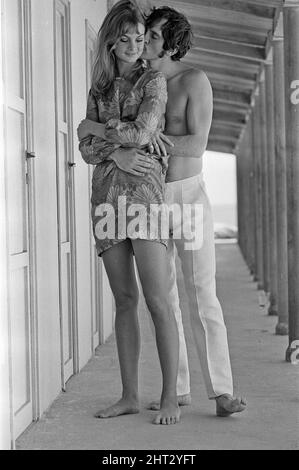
pixel 198 267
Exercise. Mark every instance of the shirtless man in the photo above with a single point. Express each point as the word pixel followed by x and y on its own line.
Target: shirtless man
pixel 188 121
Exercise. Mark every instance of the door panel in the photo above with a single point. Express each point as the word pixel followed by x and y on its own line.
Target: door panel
pixel 16 180
pixel 20 338
pixel 14 47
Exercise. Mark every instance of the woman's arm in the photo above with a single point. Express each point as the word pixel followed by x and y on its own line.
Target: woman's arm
pixel 151 110
pixel 88 127
pixel 94 149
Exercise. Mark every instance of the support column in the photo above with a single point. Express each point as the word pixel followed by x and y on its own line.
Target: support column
pixel 271 187
pixel 265 185
pixel 239 200
pixel 258 192
pixel 281 185
pixel 241 197
pixel 291 50
pixel 245 202
pixel 250 196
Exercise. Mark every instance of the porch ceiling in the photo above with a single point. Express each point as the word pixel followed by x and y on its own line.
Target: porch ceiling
pixel 232 39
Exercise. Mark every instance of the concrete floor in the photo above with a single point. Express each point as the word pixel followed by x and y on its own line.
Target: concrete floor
pixel 270 386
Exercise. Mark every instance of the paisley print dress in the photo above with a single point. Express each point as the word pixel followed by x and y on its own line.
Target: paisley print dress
pixel 125 205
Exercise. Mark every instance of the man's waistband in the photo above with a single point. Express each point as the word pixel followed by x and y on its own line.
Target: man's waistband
pixel 187 181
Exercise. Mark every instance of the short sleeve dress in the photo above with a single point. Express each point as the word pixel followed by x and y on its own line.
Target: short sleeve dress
pixel 124 205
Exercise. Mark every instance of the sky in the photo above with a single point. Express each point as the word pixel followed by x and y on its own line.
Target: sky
pixel 220 179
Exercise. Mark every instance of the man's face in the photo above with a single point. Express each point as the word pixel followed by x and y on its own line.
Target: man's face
pixel 153 45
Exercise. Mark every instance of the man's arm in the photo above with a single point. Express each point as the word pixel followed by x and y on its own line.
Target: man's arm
pixel 198 116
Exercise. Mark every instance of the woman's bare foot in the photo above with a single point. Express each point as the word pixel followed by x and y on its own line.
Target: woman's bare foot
pixel 226 405
pixel 183 400
pixel 122 407
pixel 169 413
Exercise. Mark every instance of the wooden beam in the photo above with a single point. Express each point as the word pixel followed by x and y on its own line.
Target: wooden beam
pixel 242 83
pixel 229 116
pixel 222 138
pixel 222 77
pixel 230 72
pixel 277 27
pixel 230 48
pixel 228 124
pixel 240 99
pixel 230 107
pixel 256 9
pixel 225 132
pixel 220 15
pixel 229 33
pixel 266 3
pixel 221 148
pixel 206 57
pixel 197 22
pixel 231 87
pixel 281 186
pixel 291 49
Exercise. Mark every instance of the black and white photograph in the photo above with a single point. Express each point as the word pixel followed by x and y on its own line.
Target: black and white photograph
pixel 149 228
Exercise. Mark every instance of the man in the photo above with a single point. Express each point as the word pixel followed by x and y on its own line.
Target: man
pixel 188 121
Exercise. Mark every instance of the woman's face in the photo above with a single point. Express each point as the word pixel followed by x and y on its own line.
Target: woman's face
pixel 129 47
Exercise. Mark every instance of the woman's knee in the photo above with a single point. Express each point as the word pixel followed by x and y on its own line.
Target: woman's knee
pixel 158 306
pixel 126 300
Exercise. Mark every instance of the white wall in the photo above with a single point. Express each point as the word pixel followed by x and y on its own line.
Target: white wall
pixel 220 179
pixel 94 11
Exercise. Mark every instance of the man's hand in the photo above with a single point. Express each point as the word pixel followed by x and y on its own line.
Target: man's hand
pixel 158 142
pixel 131 160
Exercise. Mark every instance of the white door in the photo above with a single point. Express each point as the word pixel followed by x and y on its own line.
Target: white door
pixel 19 164
pixel 65 192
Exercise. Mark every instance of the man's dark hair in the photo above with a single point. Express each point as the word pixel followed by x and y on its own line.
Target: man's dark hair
pixel 177 31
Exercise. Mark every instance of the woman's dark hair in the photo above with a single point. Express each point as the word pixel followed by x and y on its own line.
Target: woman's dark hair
pixel 177 31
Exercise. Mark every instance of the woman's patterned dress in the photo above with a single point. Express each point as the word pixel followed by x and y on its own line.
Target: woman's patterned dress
pixel 124 205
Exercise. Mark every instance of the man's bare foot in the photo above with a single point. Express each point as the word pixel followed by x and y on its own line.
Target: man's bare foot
pixel 226 405
pixel 122 407
pixel 169 413
pixel 183 400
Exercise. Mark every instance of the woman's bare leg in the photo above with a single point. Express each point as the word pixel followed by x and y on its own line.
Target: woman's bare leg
pixel 152 267
pixel 119 265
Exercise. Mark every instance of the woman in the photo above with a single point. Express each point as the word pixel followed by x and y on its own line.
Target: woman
pixel 127 104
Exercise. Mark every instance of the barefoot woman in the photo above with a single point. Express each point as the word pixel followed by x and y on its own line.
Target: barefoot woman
pixel 126 107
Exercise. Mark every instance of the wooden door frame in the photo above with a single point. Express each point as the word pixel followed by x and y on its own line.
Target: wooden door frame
pixel 95 262
pixel 74 314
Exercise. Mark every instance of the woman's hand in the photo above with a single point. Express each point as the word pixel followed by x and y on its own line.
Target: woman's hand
pixel 85 129
pixel 157 144
pixel 88 127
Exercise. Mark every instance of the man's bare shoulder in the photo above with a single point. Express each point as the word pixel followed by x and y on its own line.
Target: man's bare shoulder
pixel 195 80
